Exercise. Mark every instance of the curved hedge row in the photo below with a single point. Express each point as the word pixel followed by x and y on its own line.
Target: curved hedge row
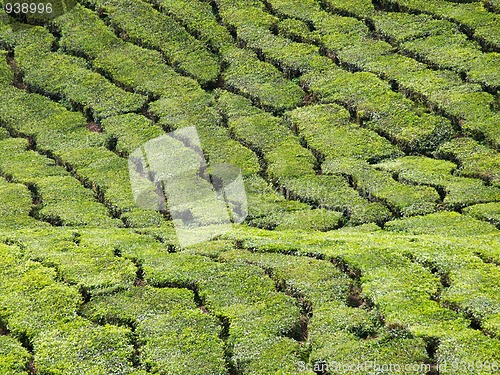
pixel 460 191
pixel 148 27
pixel 387 112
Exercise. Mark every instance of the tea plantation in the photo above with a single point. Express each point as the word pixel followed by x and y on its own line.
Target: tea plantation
pixel 368 137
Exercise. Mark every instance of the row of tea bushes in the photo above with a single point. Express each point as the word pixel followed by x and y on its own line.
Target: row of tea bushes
pixel 406 200
pixel 387 112
pixel 404 292
pixel 6 74
pixel 473 17
pixel 348 40
pixel 63 134
pixel 147 27
pixel 83 33
pixel 182 102
pixel 259 81
pixel 475 159
pixel 61 199
pixel 423 36
pixel 289 165
pixel 79 346
pixel 198 18
pixel 36 304
pixel 268 135
pixel 488 211
pixel 333 192
pixel 13 356
pixel 327 129
pixel 336 332
pixel 245 297
pixel 15 206
pixel 459 191
pixel 68 78
pixel 160 317
pixel 253 28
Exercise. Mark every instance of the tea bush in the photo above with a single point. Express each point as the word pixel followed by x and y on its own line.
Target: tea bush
pixel 13 357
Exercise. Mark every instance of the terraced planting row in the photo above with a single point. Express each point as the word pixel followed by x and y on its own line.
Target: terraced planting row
pixel 367 137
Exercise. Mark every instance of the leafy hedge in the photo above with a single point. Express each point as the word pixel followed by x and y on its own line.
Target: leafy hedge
pixel 444 223
pixel 36 304
pixel 318 219
pixel 472 16
pixel 326 128
pixel 133 66
pixel 152 29
pixel 280 148
pixel 317 281
pixel 334 193
pixel 342 336
pixel 459 191
pixel 65 201
pixel 472 352
pixel 93 269
pixel 488 211
pixel 389 112
pixel 81 347
pixel 258 80
pixel 475 159
pixel 129 131
pixel 198 18
pixel 13 357
pixel 182 342
pixel 358 8
pixel 132 306
pixel 67 77
pixel 263 200
pixel 6 74
pixel 406 200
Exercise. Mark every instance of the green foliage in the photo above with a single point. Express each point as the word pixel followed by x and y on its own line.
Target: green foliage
pixel 197 16
pixel 459 191
pixel 150 28
pixel 130 131
pixel 13 357
pixel 296 30
pixel 471 351
pixel 129 307
pixel 257 353
pixel 358 8
pixel 445 223
pixel 319 219
pixel 260 81
pixel 31 299
pixel 334 193
pixel 181 342
pixel 106 172
pixel 444 51
pixel 77 28
pixel 390 113
pixel 326 128
pixel 65 201
pixel 263 200
pixel 473 289
pixel 66 76
pixel 291 57
pixel 401 27
pixel 91 268
pixel 81 347
pixel 6 74
pixel 405 199
pixel 488 211
pixel 475 159
pixel 317 281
